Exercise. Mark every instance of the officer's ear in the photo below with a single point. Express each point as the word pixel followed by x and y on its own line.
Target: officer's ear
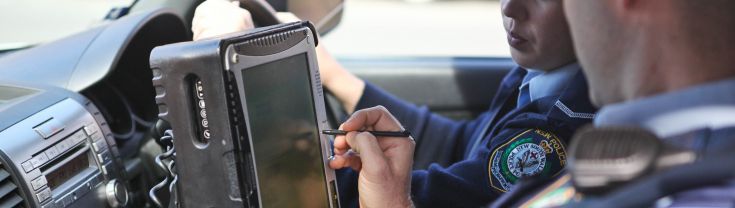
pixel 639 11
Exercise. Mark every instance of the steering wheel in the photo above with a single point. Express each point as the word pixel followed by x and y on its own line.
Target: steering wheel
pixel 262 12
pixel 263 15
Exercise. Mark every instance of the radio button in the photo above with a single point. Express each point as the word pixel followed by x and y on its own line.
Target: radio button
pixel 62 147
pixel 108 170
pixel 27 166
pixel 52 152
pixel 105 169
pixel 69 144
pixel 39 160
pixel 99 146
pixel 96 136
pixel 43 195
pixel 104 157
pixel 78 137
pixel 38 183
pixel 92 128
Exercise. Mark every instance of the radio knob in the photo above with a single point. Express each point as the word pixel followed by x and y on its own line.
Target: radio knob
pixel 117 194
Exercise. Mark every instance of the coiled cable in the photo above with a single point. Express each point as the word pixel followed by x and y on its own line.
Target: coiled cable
pixel 166 162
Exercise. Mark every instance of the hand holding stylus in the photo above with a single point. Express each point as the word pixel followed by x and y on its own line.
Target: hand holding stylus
pixel 384 164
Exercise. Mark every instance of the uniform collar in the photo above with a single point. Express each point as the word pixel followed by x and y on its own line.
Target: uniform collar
pixel 550 83
pixel 709 105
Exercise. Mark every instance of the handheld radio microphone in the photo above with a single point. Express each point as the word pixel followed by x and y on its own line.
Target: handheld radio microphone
pixel 603 159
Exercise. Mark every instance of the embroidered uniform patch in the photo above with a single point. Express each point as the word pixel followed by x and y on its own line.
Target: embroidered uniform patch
pixel 533 152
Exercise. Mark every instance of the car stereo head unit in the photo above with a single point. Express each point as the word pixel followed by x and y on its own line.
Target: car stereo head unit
pixel 56 150
pixel 246 110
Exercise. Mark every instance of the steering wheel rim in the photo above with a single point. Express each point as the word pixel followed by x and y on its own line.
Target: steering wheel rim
pixel 262 12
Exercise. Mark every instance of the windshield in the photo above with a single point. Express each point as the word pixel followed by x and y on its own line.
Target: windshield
pixel 26 23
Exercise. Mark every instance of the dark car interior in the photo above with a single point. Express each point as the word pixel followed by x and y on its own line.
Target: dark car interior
pixel 108 65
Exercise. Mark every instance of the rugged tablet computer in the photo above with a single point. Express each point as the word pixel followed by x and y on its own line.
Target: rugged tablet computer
pixel 246 110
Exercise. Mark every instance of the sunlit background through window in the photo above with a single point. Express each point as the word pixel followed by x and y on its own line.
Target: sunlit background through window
pixel 458 28
pixel 413 28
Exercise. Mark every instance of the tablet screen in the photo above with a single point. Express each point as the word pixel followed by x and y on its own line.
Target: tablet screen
pixel 284 134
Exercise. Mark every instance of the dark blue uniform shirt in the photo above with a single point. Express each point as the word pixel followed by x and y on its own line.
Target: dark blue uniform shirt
pixel 489 154
pixel 699 118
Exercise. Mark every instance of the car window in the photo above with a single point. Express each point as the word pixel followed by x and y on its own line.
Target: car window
pixel 434 28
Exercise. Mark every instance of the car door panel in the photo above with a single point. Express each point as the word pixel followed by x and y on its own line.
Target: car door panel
pixel 459 88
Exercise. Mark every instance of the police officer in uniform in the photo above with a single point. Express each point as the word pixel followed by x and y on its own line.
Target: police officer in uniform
pixel 667 67
pixel 524 133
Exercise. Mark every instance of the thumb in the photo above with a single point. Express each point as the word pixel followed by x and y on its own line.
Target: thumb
pixel 370 152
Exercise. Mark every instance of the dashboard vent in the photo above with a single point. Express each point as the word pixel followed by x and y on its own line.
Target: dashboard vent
pixel 9 193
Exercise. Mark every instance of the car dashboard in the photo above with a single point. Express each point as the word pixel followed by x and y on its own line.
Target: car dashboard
pixel 77 113
pixel 57 150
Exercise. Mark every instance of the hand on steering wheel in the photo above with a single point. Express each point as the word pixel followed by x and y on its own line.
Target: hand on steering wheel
pixel 217 17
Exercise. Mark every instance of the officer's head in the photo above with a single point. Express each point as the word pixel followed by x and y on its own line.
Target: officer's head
pixel 637 48
pixel 538 34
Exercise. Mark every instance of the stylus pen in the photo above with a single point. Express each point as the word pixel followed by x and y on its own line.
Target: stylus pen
pixel 404 133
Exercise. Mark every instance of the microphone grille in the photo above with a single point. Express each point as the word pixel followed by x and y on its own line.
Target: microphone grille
pixel 603 158
pixel 612 142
